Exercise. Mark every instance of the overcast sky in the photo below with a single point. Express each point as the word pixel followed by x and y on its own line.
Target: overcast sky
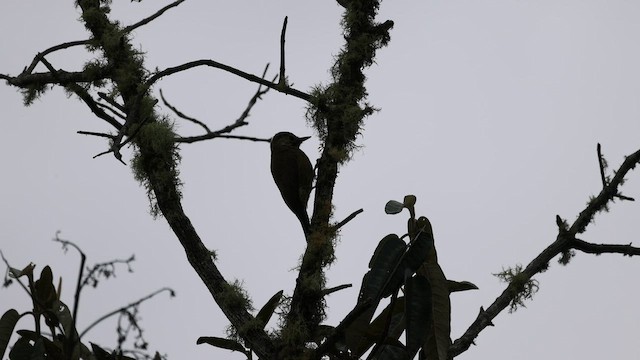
pixel 490 115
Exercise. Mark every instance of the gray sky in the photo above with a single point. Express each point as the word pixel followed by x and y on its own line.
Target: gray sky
pixel 490 115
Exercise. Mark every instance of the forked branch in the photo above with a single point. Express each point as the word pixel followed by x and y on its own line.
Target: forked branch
pixel 565 241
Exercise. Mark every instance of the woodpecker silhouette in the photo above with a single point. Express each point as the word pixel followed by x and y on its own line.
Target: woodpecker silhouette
pixel 292 173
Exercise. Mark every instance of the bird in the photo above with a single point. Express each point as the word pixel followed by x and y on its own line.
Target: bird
pixel 292 173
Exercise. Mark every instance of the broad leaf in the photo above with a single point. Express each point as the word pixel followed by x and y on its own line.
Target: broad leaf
pixel 45 292
pixel 24 350
pixel 383 279
pixel 392 352
pixel 391 319
pixel 264 315
pixel 460 286
pixel 376 283
pixel 63 314
pixel 437 344
pixel 393 207
pixel 7 324
pixel 222 343
pixel 419 247
pixel 418 313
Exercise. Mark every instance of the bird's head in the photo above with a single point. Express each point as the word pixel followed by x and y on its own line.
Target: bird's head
pixel 283 140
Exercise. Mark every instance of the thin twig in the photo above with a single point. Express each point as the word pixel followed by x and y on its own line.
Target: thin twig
pixel 24 287
pixel 40 55
pixel 240 121
pixel 152 17
pixel 182 115
pixel 326 292
pixel 112 102
pixel 282 81
pixel 123 308
pixel 109 136
pixel 113 111
pixel 91 277
pixel 603 164
pixel 193 139
pixel 347 219
pixel 76 296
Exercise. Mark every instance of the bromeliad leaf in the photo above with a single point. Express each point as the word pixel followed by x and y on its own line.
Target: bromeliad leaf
pixel 7 324
pixel 264 315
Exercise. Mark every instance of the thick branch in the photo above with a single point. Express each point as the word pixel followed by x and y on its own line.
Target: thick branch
pixel 156 164
pixel 564 241
pixel 61 77
pixel 338 113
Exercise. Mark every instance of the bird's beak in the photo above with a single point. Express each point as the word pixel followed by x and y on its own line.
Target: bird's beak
pixel 302 139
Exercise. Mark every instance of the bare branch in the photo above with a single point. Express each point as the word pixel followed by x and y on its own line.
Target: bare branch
pixel 82 94
pixel 116 154
pixel 112 102
pixel 591 248
pixel 182 115
pixel 109 136
pixel 347 219
pixel 282 81
pixel 112 110
pixel 241 121
pixel 213 135
pixel 607 194
pixel 123 308
pixel 172 70
pixel 336 288
pixel 603 164
pixel 61 77
pixel 564 241
pixel 40 55
pixel 76 297
pixel 149 19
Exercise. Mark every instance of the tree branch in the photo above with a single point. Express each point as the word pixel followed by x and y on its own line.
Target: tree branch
pixel 182 115
pixel 173 70
pixel 62 46
pixel 82 94
pixel 347 219
pixel 149 19
pixel 240 121
pixel 282 81
pixel 565 240
pixel 123 308
pixel 591 248
pixel 61 77
pixel 337 112
pixel 157 166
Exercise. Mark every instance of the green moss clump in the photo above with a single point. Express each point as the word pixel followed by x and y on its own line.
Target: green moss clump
pixel 156 159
